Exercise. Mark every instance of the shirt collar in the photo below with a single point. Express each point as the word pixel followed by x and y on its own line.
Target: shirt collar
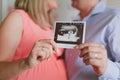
pixel 99 8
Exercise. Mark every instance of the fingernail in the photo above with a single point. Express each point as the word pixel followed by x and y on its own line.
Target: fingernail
pixel 54 51
pixel 76 47
pixel 57 50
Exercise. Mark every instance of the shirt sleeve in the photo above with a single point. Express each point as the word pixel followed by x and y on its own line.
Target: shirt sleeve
pixel 113 39
pixel 111 73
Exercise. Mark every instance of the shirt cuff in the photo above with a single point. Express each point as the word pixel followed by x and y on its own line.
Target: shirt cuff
pixel 112 72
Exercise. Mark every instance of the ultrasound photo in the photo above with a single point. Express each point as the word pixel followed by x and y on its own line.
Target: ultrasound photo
pixel 69 34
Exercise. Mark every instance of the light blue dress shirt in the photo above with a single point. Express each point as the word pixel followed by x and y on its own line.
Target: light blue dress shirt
pixel 102 26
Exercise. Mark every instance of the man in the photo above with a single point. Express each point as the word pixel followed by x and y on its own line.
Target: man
pixel 99 57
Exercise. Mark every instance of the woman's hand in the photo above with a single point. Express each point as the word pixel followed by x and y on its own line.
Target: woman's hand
pixel 95 55
pixel 43 49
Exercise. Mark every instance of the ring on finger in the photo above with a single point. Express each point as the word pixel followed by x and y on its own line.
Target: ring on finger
pixel 95 55
pixel 42 48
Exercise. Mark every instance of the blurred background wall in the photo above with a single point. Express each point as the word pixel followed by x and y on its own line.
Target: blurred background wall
pixel 5 7
pixel 63 13
pixel 0 10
